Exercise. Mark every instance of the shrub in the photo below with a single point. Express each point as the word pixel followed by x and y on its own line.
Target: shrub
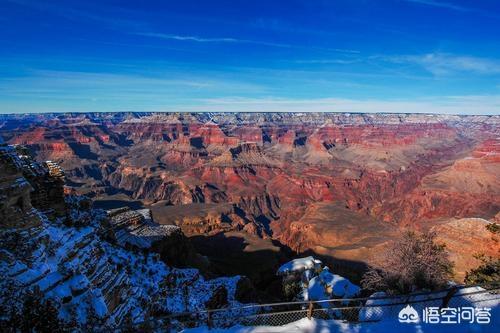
pixel 291 289
pixel 494 228
pixel 487 273
pixel 412 262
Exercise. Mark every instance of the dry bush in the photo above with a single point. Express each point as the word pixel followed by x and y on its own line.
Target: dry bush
pixel 413 262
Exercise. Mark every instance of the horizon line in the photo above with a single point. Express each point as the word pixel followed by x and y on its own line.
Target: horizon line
pixel 231 112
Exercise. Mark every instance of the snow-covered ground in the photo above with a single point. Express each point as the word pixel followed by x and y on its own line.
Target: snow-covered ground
pixel 386 318
pixel 335 326
pixel 327 285
pixel 317 283
pixel 87 275
pixel 299 265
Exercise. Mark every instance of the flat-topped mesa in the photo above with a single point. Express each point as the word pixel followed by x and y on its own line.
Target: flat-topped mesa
pixel 488 151
pixel 124 217
pixel 135 229
pixel 249 134
pixel 246 148
pixel 210 133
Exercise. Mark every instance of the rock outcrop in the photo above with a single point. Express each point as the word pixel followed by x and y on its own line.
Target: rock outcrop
pixel 71 260
pixel 135 229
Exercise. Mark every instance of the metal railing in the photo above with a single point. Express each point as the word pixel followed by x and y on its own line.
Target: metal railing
pixel 352 310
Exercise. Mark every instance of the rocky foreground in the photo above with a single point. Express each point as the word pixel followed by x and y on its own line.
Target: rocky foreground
pixel 98 269
pixel 341 185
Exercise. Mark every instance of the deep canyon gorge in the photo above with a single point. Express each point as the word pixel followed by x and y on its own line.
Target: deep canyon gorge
pixel 256 188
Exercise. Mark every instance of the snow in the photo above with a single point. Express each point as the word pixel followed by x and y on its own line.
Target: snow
pixel 75 265
pixel 327 285
pixel 336 326
pixel 299 265
pixel 316 284
pixel 137 228
pixel 372 312
pixel 385 318
pixel 388 312
pixel 464 297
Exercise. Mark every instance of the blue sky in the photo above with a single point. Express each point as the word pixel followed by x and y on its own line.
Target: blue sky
pixel 347 56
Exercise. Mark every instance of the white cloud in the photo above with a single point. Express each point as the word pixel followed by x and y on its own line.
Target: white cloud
pixel 209 40
pixel 445 64
pixel 457 8
pixel 441 5
pixel 189 38
pixel 46 85
pixel 72 91
pixel 438 105
pixel 240 41
pixel 328 61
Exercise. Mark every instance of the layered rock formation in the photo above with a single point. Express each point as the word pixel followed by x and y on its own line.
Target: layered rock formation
pixel 136 229
pixel 72 260
pixel 340 184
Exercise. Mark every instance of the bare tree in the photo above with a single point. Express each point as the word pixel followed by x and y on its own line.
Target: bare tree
pixel 412 262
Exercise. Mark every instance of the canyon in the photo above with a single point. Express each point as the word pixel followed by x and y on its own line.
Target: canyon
pixel 85 269
pixel 255 187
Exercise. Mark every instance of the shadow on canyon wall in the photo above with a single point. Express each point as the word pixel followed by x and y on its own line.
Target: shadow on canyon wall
pixel 107 204
pixel 237 253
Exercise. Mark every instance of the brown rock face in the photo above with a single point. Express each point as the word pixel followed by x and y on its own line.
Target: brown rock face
pixel 339 184
pixel 465 238
pixel 15 204
pixel 25 184
pixel 47 180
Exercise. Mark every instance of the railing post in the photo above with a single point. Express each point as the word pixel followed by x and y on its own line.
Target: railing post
pixel 209 319
pixel 448 296
pixel 310 310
